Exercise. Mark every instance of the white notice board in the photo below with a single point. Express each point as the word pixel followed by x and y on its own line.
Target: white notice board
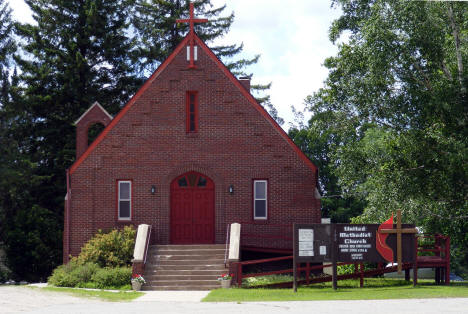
pixel 306 235
pixel 306 242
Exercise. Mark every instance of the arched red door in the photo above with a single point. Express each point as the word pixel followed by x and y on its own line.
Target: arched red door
pixel 192 209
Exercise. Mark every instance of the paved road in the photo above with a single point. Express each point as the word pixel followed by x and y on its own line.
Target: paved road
pixel 23 300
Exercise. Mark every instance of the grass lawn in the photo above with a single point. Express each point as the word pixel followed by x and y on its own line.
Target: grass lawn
pixel 374 288
pixel 118 296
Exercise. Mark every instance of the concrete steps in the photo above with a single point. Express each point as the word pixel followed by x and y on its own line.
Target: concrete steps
pixel 184 267
pixel 182 258
pixel 184 272
pixel 153 268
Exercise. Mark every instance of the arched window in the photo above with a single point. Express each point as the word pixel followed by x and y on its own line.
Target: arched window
pixel 93 131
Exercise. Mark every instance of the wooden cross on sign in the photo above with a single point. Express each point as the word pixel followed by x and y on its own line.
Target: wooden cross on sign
pixel 191 34
pixel 399 231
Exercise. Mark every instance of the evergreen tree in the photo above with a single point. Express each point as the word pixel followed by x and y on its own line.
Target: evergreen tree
pixel 78 53
pixel 7 44
pixel 8 147
pixel 158 34
pixel 7 48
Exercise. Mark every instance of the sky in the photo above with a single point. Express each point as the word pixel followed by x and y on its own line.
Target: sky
pixel 291 37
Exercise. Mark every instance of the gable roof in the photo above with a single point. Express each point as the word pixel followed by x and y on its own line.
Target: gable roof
pixel 226 72
pixel 90 108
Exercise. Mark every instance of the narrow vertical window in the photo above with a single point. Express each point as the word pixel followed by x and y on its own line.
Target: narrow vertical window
pixel 125 200
pixel 195 53
pixel 192 112
pixel 260 200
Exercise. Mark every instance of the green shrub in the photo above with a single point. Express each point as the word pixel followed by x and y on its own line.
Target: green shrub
pixel 103 262
pixel 112 249
pixel 345 269
pixel 349 269
pixel 61 276
pixel 85 272
pixel 90 275
pixel 112 277
pixel 72 274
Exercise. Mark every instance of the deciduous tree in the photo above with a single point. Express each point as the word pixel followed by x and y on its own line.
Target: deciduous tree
pixel 399 84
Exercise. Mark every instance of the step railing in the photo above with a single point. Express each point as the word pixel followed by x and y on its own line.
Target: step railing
pixel 148 237
pixel 234 243
pixel 140 251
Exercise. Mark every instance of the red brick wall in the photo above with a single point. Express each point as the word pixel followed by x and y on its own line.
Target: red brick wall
pixel 234 145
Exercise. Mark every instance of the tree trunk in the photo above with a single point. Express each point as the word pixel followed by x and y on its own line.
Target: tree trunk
pixel 456 38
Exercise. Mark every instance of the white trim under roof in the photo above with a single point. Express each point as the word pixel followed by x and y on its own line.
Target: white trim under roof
pixel 89 109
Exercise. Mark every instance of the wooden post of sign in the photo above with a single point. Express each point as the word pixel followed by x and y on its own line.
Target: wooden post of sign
pixel 361 277
pixel 294 258
pixel 333 256
pixel 415 262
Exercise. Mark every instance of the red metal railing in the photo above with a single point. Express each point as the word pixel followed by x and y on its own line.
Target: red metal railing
pixel 358 270
pixel 440 244
pixel 436 250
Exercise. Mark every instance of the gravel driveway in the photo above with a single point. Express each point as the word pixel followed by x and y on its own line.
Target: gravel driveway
pixel 14 299
pixel 25 300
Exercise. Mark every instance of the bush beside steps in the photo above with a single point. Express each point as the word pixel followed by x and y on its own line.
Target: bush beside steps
pixel 90 275
pixel 104 263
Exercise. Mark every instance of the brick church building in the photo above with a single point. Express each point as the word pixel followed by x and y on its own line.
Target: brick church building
pixel 189 154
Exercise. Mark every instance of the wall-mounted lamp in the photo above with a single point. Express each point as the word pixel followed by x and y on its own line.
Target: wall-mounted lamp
pixel 231 189
pixel 153 189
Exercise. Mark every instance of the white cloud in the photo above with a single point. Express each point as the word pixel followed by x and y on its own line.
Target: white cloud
pixel 292 38
pixel 21 11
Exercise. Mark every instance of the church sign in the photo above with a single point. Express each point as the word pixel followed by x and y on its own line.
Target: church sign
pixel 364 243
pixel 354 243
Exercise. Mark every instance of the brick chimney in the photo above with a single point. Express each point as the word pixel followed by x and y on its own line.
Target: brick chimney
pixel 245 81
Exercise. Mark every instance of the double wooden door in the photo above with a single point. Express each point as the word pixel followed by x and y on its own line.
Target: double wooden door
pixel 192 209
